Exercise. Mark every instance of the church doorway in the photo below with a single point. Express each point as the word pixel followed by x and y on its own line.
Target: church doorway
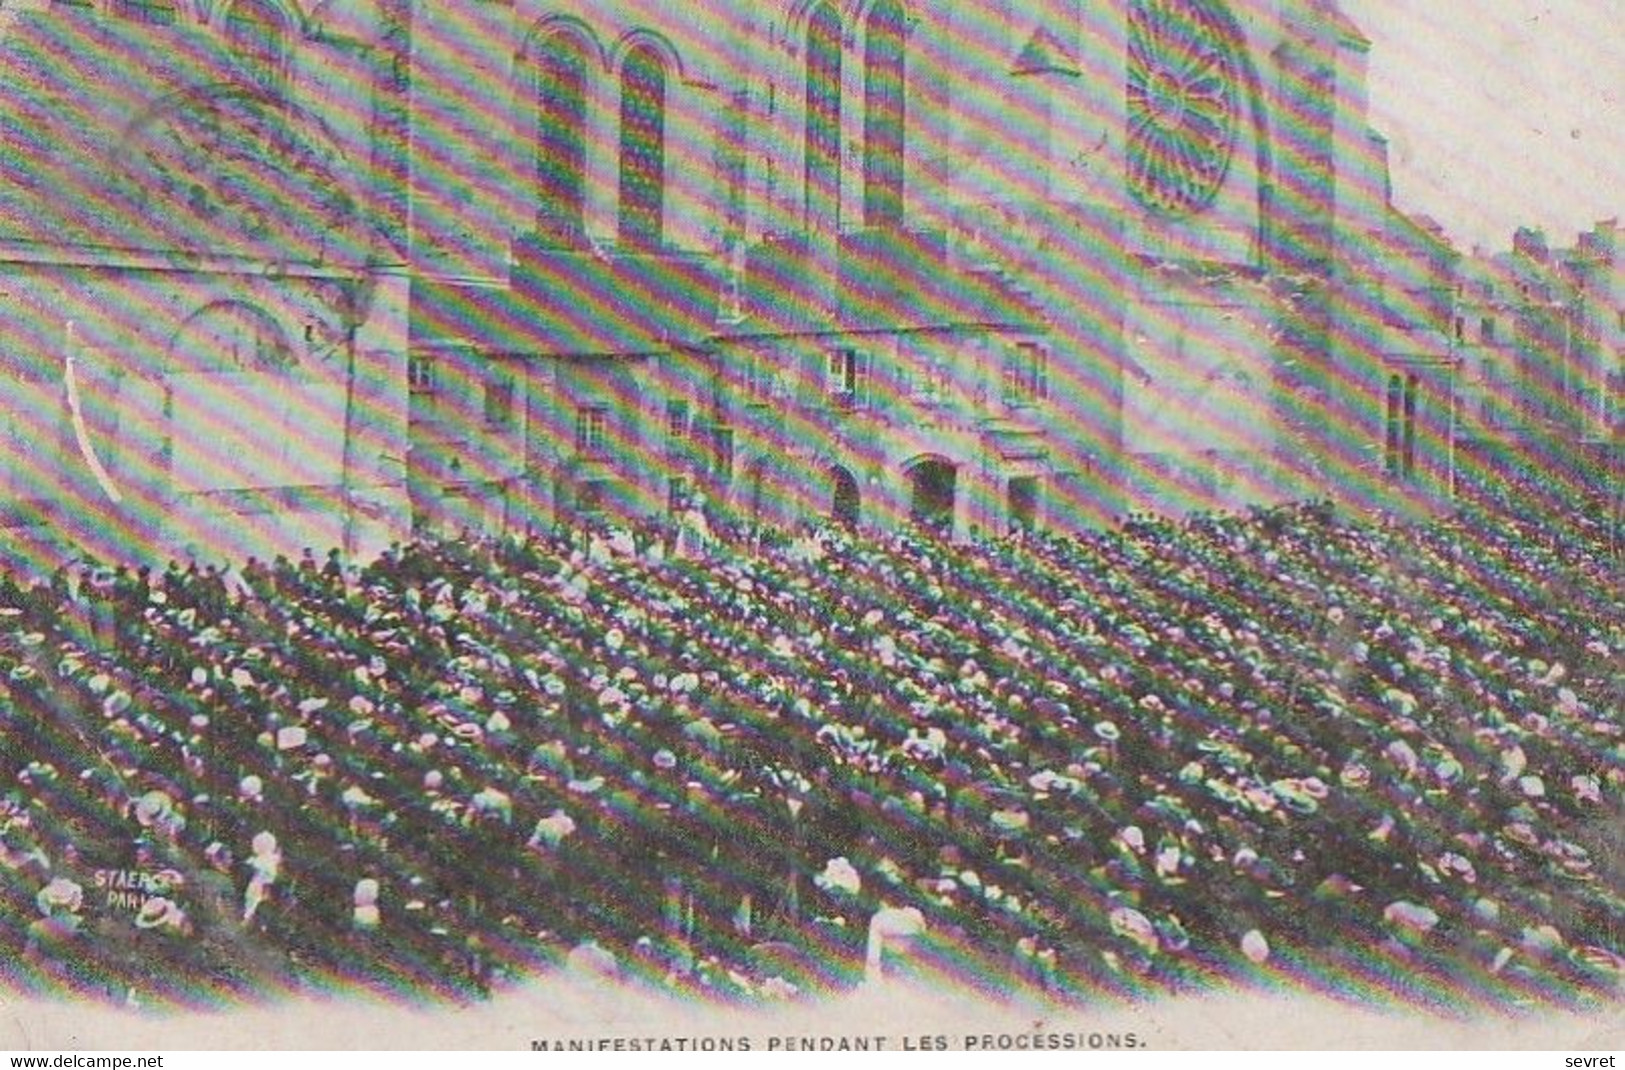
pixel 932 485
pixel 1023 503
pixel 846 498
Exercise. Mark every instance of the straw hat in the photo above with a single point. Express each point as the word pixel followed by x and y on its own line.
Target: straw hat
pixel 160 913
pixel 60 896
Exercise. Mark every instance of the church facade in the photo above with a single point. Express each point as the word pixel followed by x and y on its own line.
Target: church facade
pixel 330 270
pixel 972 266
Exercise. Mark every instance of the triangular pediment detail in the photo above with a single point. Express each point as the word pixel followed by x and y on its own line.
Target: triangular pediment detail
pixel 1045 53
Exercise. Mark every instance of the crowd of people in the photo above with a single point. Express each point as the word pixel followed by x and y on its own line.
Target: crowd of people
pixel 1283 747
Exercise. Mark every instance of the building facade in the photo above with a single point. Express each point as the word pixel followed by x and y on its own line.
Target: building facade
pixel 1542 334
pixel 968 266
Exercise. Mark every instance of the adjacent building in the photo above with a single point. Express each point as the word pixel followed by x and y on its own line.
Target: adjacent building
pixel 1542 334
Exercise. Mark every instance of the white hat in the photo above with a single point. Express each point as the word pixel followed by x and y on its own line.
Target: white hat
pixel 153 807
pixel 60 896
pixel 552 830
pixel 160 913
pixel 1410 919
pixel 1135 927
pixel 839 874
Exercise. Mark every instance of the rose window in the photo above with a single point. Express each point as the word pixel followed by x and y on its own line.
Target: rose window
pixel 1183 104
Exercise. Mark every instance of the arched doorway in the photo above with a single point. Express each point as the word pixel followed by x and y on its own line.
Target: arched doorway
pixel 846 497
pixel 932 489
pixel 240 414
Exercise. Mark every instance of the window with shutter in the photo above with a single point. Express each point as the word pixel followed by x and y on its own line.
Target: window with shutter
pixel 677 419
pixel 592 428
pixel 848 378
pixel 499 395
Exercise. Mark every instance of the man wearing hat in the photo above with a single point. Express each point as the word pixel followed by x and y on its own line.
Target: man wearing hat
pixel 55 943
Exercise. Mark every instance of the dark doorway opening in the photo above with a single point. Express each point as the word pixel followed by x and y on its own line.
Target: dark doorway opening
pixel 1024 503
pixel 846 498
pixel 933 483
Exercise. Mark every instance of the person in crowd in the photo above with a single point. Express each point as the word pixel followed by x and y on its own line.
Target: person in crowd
pixel 1136 758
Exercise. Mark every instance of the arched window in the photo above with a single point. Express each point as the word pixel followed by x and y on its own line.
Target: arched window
pixel 561 139
pixel 258 35
pixel 232 337
pixel 643 149
pixel 1404 396
pixel 823 133
pixel 151 12
pixel 885 115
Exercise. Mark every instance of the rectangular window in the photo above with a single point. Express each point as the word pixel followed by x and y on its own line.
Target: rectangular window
pixel 499 391
pixel 848 378
pixel 420 375
pixel 151 12
pixel 591 495
pixel 1486 329
pixel 677 419
pixel 677 494
pixel 592 429
pixel 929 382
pixel 1026 375
pixel 722 453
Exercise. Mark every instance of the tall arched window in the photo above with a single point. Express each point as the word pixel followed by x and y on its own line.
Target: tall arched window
pixel 258 36
pixel 561 139
pixel 1404 398
pixel 823 134
pixel 643 148
pixel 885 115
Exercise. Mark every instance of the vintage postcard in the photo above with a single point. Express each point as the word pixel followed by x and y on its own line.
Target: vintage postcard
pixel 823 525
